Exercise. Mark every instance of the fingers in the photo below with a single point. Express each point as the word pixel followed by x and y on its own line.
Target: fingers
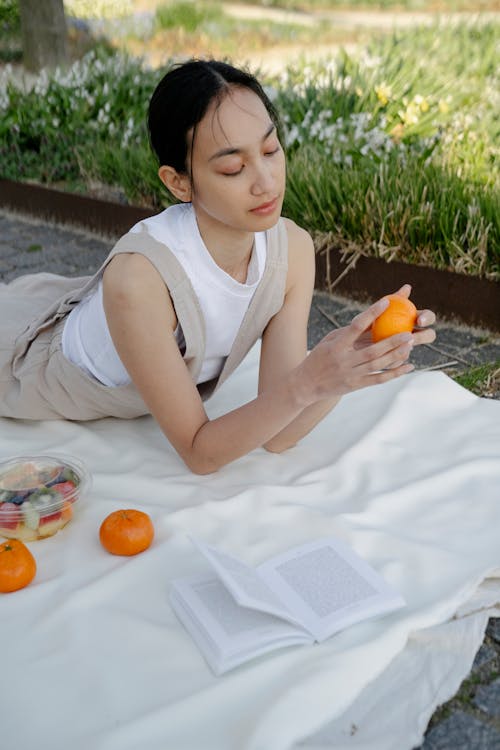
pixel 404 291
pixel 388 354
pixel 425 318
pixel 424 336
pixel 364 320
pixel 383 377
pixel 335 367
pixel 422 333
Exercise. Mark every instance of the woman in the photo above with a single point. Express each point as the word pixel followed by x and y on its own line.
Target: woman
pixel 184 295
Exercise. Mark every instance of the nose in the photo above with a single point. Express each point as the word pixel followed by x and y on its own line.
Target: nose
pixel 264 180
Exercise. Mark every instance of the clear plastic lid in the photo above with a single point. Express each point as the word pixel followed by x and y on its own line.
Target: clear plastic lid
pixel 44 480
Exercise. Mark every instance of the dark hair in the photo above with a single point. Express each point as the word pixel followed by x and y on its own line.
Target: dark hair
pixel 182 98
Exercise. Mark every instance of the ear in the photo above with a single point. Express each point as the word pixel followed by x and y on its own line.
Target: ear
pixel 178 184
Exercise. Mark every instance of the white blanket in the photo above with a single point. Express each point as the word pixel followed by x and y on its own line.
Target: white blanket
pixel 408 473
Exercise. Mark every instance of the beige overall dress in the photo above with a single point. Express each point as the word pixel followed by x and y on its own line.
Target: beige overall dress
pixel 38 382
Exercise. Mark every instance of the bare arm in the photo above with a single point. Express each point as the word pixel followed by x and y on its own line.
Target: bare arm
pixel 142 320
pixel 284 345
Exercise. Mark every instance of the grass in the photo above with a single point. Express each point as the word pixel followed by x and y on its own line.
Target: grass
pixel 398 151
pixel 187 28
pixel 483 380
pixel 406 210
pixel 394 152
pixel 10 31
pixel 396 5
pixel 188 16
pixel 463 700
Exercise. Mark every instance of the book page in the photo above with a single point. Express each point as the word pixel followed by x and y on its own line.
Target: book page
pixel 226 633
pixel 234 620
pixel 328 586
pixel 244 583
pixel 325 581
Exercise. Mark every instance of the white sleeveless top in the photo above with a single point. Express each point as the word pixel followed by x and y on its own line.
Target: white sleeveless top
pixel 87 342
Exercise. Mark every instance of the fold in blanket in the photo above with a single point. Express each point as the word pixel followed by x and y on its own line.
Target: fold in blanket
pixel 407 473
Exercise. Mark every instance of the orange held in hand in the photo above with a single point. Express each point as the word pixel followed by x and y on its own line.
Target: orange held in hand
pixel 126 532
pixel 17 566
pixel 399 317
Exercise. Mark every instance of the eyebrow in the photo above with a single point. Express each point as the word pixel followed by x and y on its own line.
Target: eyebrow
pixel 233 150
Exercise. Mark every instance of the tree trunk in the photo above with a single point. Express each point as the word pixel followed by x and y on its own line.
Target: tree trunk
pixel 43 29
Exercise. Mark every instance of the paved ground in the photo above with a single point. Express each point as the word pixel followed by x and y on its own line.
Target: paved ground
pixel 471 720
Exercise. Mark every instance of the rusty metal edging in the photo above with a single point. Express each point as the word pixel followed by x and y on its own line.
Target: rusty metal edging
pixel 103 217
pixel 468 299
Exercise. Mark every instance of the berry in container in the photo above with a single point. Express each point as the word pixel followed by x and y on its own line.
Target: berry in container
pixel 38 495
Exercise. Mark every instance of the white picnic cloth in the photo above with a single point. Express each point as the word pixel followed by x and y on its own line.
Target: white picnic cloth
pixel 407 473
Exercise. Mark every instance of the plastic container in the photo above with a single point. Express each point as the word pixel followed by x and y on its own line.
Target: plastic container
pixel 38 494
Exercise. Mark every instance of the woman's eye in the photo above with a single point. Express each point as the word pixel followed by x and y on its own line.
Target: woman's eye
pixel 272 152
pixel 232 174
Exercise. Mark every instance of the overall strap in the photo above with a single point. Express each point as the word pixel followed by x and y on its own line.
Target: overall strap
pixel 184 299
pixel 266 302
pixel 187 308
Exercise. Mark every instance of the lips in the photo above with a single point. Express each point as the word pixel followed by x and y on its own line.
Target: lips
pixel 265 208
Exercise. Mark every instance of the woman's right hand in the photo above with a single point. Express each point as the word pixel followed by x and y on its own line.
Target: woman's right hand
pixel 335 366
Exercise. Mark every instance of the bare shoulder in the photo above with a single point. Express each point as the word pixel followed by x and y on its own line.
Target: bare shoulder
pixel 129 272
pixel 301 254
pixel 131 281
pixel 297 236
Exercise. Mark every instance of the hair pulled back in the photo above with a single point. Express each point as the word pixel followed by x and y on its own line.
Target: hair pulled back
pixel 181 100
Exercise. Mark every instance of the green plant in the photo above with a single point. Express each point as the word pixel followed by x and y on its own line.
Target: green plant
pixel 483 380
pixel 10 32
pixel 205 29
pixel 187 15
pixel 394 151
pixel 131 168
pixel 397 149
pixel 429 5
pixel 10 19
pixel 98 8
pixel 102 97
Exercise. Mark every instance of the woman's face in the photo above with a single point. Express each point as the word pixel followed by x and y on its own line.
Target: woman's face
pixel 238 165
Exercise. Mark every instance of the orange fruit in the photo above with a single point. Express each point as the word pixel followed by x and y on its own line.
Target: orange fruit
pixel 126 532
pixel 400 316
pixel 17 566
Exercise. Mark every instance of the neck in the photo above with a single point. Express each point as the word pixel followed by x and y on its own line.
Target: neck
pixel 230 248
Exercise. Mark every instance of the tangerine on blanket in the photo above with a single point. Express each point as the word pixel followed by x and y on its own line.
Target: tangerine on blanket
pixel 399 317
pixel 17 566
pixel 126 532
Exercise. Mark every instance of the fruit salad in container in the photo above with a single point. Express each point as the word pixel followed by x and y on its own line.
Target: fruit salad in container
pixel 38 495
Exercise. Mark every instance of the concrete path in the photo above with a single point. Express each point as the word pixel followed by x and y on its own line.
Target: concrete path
pixel 471 720
pixel 375 19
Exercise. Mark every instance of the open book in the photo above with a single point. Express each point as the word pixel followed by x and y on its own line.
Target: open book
pixel 301 596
